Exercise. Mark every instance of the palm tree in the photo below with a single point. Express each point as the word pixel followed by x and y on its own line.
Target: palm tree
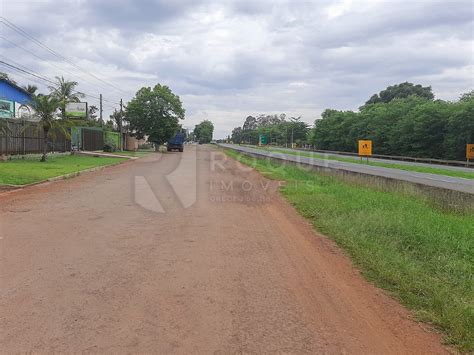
pixel 4 129
pixel 64 93
pixel 45 110
pixel 31 89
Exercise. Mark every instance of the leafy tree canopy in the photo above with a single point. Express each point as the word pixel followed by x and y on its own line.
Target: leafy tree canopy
pixel 45 110
pixel 155 112
pixel 6 77
pixel 277 128
pixel 64 92
pixel 401 91
pixel 31 89
pixel 411 126
pixel 203 131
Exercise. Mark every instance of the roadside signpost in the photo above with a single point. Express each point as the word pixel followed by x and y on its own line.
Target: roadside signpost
pixel 469 152
pixel 76 109
pixel 365 148
pixel 262 139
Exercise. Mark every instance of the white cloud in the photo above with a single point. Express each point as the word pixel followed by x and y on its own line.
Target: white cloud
pixel 228 59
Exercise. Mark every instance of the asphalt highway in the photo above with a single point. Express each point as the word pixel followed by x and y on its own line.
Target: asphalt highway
pixel 389 161
pixel 440 181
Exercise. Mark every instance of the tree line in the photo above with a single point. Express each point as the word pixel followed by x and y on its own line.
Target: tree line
pixel 404 119
pixel 277 129
pixel 402 123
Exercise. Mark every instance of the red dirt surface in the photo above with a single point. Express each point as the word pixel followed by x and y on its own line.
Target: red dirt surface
pixel 84 268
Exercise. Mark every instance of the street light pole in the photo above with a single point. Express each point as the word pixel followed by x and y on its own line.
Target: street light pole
pixel 293 121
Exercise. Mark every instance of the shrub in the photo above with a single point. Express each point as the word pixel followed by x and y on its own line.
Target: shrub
pixel 109 147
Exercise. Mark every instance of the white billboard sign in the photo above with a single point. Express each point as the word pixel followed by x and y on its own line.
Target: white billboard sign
pixel 76 109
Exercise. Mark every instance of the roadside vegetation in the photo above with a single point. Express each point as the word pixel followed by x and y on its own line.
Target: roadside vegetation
pixel 403 120
pixel 422 255
pixel 407 167
pixel 25 171
pixel 155 113
pixel 203 132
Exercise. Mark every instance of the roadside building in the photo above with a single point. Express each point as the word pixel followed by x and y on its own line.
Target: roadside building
pixel 15 102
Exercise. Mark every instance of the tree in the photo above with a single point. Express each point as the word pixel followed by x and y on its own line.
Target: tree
pixel 155 112
pixel 250 124
pixel 236 135
pixel 92 110
pixel 268 120
pixel 116 118
pixel 467 96
pixel 45 110
pixel 400 91
pixel 412 126
pixel 4 129
pixel 31 89
pixel 276 127
pixel 64 93
pixel 203 131
pixel 6 77
pixel 109 125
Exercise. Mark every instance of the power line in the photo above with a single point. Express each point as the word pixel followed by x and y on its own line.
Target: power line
pixel 51 64
pixel 45 47
pixel 26 72
pixel 29 78
pixel 43 59
pixel 30 72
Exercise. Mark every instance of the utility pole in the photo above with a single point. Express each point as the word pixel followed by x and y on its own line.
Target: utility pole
pixel 120 125
pixel 100 107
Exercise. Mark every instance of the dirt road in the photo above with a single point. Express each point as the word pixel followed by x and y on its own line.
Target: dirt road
pixel 111 261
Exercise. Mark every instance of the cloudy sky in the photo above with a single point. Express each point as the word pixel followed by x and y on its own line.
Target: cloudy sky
pixel 229 59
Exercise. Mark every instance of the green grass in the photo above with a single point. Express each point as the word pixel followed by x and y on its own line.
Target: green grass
pixel 420 169
pixel 20 172
pixel 420 254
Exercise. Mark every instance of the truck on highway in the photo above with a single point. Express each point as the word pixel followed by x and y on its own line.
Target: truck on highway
pixel 176 143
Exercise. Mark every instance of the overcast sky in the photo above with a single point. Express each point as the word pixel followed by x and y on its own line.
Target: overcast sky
pixel 230 59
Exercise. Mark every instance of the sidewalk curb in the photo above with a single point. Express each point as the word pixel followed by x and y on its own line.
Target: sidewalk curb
pixel 108 155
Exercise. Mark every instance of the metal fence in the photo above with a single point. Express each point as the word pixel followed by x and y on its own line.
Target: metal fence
pixel 24 137
pixel 92 139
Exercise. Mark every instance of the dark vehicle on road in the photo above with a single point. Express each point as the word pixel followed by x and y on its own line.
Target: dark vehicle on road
pixel 176 143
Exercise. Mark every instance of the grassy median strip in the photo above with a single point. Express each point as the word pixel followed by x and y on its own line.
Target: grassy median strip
pixel 422 255
pixel 21 172
pixel 407 167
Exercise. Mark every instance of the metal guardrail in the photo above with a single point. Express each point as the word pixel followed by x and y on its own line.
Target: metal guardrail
pixel 396 157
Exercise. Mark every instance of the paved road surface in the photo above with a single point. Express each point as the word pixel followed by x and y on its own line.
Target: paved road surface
pixel 390 161
pixel 441 181
pixel 98 264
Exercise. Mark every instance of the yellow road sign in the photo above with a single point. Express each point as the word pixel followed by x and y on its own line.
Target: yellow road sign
pixel 470 151
pixel 365 148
